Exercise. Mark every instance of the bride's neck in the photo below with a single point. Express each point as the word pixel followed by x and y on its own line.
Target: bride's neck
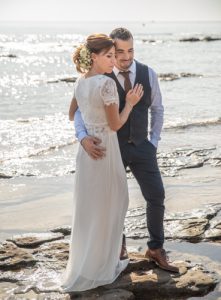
pixel 93 71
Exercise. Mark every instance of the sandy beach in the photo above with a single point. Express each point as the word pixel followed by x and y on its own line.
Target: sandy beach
pixel 32 205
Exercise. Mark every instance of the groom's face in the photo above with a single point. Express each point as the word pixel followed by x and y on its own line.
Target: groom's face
pixel 124 53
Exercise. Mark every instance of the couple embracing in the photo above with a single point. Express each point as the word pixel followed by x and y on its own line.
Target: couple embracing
pixel 110 110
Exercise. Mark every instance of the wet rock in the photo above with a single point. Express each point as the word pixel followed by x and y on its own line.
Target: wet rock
pixel 173 76
pixel 9 55
pixel 168 76
pixel 200 39
pixel 170 163
pixel 190 229
pixel 214 231
pixel 211 39
pixel 67 79
pixel 31 240
pixel 53 253
pixel 191 39
pixel 13 257
pixel 65 229
pixel 149 282
pixel 142 279
pixel 148 41
pixel 194 226
pixel 102 294
pixel 5 176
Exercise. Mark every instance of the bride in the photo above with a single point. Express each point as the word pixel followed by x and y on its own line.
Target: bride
pixel 100 186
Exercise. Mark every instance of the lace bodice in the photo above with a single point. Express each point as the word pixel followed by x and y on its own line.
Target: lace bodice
pixel 92 94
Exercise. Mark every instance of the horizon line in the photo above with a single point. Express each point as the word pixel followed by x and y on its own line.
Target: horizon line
pixel 104 21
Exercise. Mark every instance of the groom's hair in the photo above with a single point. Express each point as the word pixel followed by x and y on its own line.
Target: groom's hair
pixel 121 34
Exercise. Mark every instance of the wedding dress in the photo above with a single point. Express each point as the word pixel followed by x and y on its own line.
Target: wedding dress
pixel 100 195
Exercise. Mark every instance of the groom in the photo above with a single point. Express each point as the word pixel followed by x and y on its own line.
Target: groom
pixel 137 151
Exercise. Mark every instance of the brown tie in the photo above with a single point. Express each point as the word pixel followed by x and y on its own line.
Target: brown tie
pixel 127 83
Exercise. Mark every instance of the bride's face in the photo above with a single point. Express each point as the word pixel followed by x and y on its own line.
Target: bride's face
pixel 104 61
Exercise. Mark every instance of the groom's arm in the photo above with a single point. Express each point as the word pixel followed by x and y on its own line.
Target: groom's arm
pixel 90 144
pixel 156 109
pixel 80 129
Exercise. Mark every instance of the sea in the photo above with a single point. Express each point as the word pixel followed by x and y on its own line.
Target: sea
pixel 36 137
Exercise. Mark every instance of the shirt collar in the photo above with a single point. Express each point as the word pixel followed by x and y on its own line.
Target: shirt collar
pixel 132 69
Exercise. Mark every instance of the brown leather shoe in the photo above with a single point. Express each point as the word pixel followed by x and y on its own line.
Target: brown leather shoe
pixel 160 258
pixel 123 254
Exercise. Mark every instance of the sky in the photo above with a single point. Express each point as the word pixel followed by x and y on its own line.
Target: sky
pixel 110 10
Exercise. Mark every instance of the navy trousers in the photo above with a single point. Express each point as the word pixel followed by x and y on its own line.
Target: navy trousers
pixel 142 162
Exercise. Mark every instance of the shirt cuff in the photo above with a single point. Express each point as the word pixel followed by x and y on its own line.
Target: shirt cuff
pixel 81 136
pixel 154 142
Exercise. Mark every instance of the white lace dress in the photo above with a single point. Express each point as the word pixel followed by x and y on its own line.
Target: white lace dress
pixel 100 195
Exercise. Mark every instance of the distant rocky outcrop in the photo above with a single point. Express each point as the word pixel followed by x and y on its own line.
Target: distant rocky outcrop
pixel 162 76
pixel 173 76
pixel 200 39
pixel 66 79
pixel 8 55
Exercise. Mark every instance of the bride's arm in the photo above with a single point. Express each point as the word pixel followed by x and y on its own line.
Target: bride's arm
pixel 115 119
pixel 72 109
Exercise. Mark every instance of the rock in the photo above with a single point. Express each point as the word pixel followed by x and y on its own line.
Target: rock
pixel 149 41
pixel 150 282
pixel 5 176
pixel 142 279
pixel 211 39
pixel 101 294
pixel 168 76
pixel 54 253
pixel 189 229
pixel 13 257
pixel 201 39
pixel 31 240
pixel 171 163
pixel 65 229
pixel 191 39
pixel 173 76
pixel 214 231
pixel 9 55
pixel 193 226
pixel 67 79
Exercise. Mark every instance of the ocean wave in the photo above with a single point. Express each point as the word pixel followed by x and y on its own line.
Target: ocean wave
pixel 24 138
pixel 189 124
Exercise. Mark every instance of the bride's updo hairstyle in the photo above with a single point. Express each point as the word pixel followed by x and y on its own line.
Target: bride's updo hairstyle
pixel 95 43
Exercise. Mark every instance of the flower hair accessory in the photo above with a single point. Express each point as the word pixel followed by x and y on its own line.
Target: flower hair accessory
pixel 85 58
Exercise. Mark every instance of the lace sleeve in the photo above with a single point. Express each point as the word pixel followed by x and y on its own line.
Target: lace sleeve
pixel 109 92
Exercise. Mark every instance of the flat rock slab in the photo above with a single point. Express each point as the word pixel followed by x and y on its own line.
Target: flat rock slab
pixel 31 240
pixel 141 280
pixel 13 257
pixel 194 226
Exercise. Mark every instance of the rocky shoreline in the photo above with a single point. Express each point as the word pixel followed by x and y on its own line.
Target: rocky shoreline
pixel 31 264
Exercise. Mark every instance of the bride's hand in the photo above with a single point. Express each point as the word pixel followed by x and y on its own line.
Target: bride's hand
pixel 134 95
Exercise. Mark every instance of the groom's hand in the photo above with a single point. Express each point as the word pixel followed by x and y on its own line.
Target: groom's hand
pixel 92 146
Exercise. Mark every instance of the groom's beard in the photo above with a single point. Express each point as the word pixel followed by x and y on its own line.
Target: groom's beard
pixel 124 65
